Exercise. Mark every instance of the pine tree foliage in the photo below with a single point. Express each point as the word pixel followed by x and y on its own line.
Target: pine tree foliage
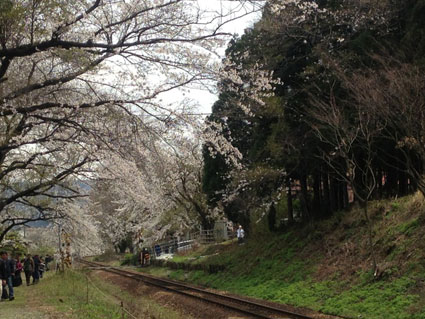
pixel 340 124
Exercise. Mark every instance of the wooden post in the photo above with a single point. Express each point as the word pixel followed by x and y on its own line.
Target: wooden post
pixel 87 282
pixel 122 310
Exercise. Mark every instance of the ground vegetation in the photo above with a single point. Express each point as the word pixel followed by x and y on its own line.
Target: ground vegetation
pixel 324 266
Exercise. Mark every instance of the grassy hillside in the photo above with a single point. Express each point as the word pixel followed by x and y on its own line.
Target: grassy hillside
pixel 327 266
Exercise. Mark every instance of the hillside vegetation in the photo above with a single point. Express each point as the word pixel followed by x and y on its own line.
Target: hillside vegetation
pixel 326 266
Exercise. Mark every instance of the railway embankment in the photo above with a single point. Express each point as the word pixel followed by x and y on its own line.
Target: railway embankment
pixel 188 266
pixel 326 266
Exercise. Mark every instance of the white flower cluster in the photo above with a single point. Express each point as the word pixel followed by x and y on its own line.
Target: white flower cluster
pixel 150 190
pixel 303 7
pixel 252 85
pixel 214 136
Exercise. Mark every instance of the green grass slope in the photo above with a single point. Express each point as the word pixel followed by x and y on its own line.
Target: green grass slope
pixel 327 266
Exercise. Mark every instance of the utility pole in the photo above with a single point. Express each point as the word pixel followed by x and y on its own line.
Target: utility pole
pixel 60 251
pixel 59 237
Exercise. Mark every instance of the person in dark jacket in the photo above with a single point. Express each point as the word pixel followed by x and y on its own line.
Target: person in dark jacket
pixel 17 280
pixel 47 261
pixel 28 268
pixel 42 267
pixel 7 272
pixel 36 273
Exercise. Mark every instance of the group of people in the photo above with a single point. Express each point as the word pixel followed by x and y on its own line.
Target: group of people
pixel 12 267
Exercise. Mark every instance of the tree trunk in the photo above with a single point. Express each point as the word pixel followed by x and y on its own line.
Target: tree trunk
pixel 271 218
pixel 4 232
pixel 304 198
pixel 206 222
pixel 344 194
pixel 379 183
pixel 391 182
pixel 289 200
pixel 339 195
pixel 317 200
pixel 326 195
pixel 333 197
pixel 402 184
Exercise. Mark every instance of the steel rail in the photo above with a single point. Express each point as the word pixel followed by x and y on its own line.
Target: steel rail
pixel 165 284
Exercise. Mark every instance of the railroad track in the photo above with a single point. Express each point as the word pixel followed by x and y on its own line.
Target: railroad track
pixel 250 308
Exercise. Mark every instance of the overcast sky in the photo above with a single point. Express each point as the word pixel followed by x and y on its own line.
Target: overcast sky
pixel 204 98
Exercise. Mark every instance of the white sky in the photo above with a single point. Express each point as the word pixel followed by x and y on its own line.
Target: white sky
pixel 204 98
pixel 239 15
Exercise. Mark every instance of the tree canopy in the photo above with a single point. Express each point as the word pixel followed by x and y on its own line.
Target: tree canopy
pixel 332 131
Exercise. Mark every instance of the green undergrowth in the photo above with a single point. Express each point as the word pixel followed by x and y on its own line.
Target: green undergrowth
pixel 327 266
pixel 81 295
pixel 140 306
pixel 71 293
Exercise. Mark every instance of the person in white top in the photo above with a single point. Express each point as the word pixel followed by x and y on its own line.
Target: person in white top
pixel 240 233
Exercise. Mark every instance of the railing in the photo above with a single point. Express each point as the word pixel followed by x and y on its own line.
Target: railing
pixel 165 248
pixel 210 236
pixel 203 237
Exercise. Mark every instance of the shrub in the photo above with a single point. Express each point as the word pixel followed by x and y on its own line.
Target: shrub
pixel 130 259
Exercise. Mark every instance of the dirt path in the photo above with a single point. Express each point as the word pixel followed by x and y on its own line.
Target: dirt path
pixel 29 305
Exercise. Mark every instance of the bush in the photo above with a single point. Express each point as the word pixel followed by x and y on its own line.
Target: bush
pixel 130 259
pixel 107 256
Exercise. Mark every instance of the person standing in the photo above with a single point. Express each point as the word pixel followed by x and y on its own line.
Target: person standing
pixel 7 272
pixel 145 257
pixel 42 267
pixel 3 280
pixel 47 260
pixel 36 273
pixel 240 233
pixel 28 268
pixel 157 250
pixel 17 280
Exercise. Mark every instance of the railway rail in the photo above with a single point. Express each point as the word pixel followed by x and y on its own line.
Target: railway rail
pixel 246 307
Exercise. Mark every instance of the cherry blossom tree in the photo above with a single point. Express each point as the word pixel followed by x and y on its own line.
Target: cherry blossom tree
pixel 154 188
pixel 81 227
pixel 66 66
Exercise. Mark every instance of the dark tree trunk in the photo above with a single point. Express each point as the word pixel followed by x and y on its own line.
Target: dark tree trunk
pixel 206 222
pixel 413 185
pixel 317 200
pixel 271 217
pixel 339 196
pixel 289 200
pixel 391 182
pixel 304 198
pixel 121 248
pixel 344 190
pixel 326 195
pixel 333 196
pixel 379 184
pixel 402 184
